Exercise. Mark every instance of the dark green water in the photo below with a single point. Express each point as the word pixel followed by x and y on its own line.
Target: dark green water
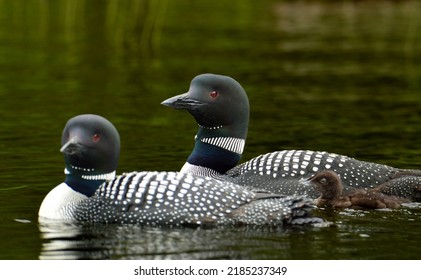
pixel 340 76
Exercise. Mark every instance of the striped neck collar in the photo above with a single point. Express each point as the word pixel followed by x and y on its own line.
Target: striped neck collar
pixel 86 184
pixel 232 144
pixel 94 177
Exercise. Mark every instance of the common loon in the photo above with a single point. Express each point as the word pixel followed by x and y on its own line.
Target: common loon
pixel 220 107
pixel 330 187
pixel 92 192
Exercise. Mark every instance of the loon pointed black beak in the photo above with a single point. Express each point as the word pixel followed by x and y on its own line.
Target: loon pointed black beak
pixel 182 101
pixel 71 147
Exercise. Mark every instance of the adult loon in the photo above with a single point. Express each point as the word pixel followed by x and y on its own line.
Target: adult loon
pixel 92 192
pixel 330 187
pixel 220 107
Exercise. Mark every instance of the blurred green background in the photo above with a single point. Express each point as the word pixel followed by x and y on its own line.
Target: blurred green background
pixel 342 76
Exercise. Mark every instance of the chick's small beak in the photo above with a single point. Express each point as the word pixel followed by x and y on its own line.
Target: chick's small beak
pixel 308 181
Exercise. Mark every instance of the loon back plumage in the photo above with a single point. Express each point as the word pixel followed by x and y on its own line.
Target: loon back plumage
pixel 92 193
pixel 286 171
pixel 280 171
pixel 174 199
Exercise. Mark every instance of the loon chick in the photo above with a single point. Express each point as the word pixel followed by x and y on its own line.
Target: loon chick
pixel 91 191
pixel 330 186
pixel 220 106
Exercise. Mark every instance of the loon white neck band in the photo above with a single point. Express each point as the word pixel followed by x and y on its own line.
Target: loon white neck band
pixel 106 176
pixel 232 144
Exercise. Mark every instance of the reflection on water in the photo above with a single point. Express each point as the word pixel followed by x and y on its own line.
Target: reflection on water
pixel 355 234
pixel 90 241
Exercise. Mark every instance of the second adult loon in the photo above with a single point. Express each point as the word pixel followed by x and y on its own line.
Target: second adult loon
pixel 220 106
pixel 92 192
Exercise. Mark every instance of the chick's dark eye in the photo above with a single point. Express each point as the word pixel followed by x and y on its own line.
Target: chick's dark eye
pixel 96 137
pixel 323 181
pixel 213 94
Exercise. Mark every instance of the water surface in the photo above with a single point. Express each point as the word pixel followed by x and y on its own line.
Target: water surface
pixel 342 77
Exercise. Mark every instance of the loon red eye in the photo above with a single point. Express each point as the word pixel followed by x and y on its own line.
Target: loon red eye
pixel 96 137
pixel 213 94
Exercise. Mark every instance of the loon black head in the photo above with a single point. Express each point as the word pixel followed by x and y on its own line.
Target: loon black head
pixel 220 106
pixel 328 183
pixel 91 148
